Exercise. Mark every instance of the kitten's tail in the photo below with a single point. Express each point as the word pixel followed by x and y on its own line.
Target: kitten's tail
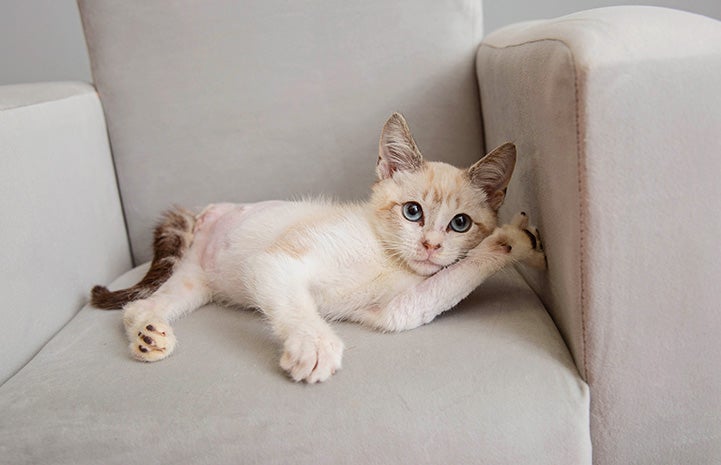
pixel 172 238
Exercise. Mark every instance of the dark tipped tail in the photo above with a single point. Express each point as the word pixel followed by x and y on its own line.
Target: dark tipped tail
pixel 172 238
pixel 103 298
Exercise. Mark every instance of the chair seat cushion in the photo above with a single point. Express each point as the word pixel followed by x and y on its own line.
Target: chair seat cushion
pixel 489 382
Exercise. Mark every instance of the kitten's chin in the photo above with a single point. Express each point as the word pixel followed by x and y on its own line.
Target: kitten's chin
pixel 424 267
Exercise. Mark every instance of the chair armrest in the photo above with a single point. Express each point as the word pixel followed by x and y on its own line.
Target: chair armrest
pixel 62 227
pixel 616 113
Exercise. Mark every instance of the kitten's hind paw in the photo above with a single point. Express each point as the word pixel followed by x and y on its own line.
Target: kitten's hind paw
pixel 312 358
pixel 152 341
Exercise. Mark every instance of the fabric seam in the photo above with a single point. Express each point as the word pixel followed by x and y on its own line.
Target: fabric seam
pixel 45 102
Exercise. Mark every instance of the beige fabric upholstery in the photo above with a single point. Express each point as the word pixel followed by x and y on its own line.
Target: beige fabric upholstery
pixel 489 383
pixel 256 100
pixel 616 113
pixel 62 227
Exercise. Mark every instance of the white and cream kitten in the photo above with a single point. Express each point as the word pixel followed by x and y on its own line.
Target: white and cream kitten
pixel 423 241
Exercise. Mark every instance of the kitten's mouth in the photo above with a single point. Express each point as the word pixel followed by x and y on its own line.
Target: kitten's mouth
pixel 426 267
pixel 429 267
pixel 427 261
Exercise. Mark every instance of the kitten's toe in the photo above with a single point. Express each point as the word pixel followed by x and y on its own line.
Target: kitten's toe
pixel 152 341
pixel 298 358
pixel 312 358
pixel 520 220
pixel 536 257
pixel 509 240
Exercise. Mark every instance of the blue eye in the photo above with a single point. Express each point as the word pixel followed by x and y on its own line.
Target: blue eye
pixel 460 223
pixel 412 211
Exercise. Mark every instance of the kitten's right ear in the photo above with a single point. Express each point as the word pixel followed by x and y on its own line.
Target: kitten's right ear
pixel 397 150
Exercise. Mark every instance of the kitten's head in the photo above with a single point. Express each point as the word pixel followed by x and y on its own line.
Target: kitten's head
pixel 430 214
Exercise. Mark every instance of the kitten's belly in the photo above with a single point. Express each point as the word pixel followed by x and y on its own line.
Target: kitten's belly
pixel 247 249
pixel 225 237
pixel 219 223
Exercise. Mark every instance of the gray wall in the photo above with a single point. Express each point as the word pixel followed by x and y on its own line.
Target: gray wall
pixel 42 40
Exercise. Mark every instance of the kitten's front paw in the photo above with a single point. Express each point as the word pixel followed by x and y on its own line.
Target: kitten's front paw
pixel 151 341
pixel 519 241
pixel 312 357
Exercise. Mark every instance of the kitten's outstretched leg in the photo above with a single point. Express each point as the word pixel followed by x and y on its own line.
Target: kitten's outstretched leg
pixel 511 243
pixel 147 321
pixel 312 352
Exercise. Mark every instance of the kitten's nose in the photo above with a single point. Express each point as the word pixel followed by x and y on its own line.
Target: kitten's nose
pixel 430 246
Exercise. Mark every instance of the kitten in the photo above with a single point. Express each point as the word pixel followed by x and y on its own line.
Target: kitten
pixel 423 241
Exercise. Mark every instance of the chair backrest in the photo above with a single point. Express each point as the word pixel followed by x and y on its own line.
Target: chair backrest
pixel 243 101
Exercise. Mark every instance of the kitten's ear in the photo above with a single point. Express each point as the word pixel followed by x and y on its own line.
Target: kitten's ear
pixel 492 173
pixel 397 150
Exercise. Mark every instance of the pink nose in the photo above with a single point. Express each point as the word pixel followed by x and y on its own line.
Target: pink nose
pixel 430 246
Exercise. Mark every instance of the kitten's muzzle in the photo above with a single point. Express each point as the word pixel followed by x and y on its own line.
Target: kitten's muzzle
pixel 430 247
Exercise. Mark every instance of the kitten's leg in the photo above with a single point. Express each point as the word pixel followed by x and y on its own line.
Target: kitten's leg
pixel 312 352
pixel 147 321
pixel 421 304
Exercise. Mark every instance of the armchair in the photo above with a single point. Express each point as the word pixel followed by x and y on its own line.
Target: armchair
pixel 608 357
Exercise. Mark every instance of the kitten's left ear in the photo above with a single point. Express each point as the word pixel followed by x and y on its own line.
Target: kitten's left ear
pixel 492 173
pixel 397 151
